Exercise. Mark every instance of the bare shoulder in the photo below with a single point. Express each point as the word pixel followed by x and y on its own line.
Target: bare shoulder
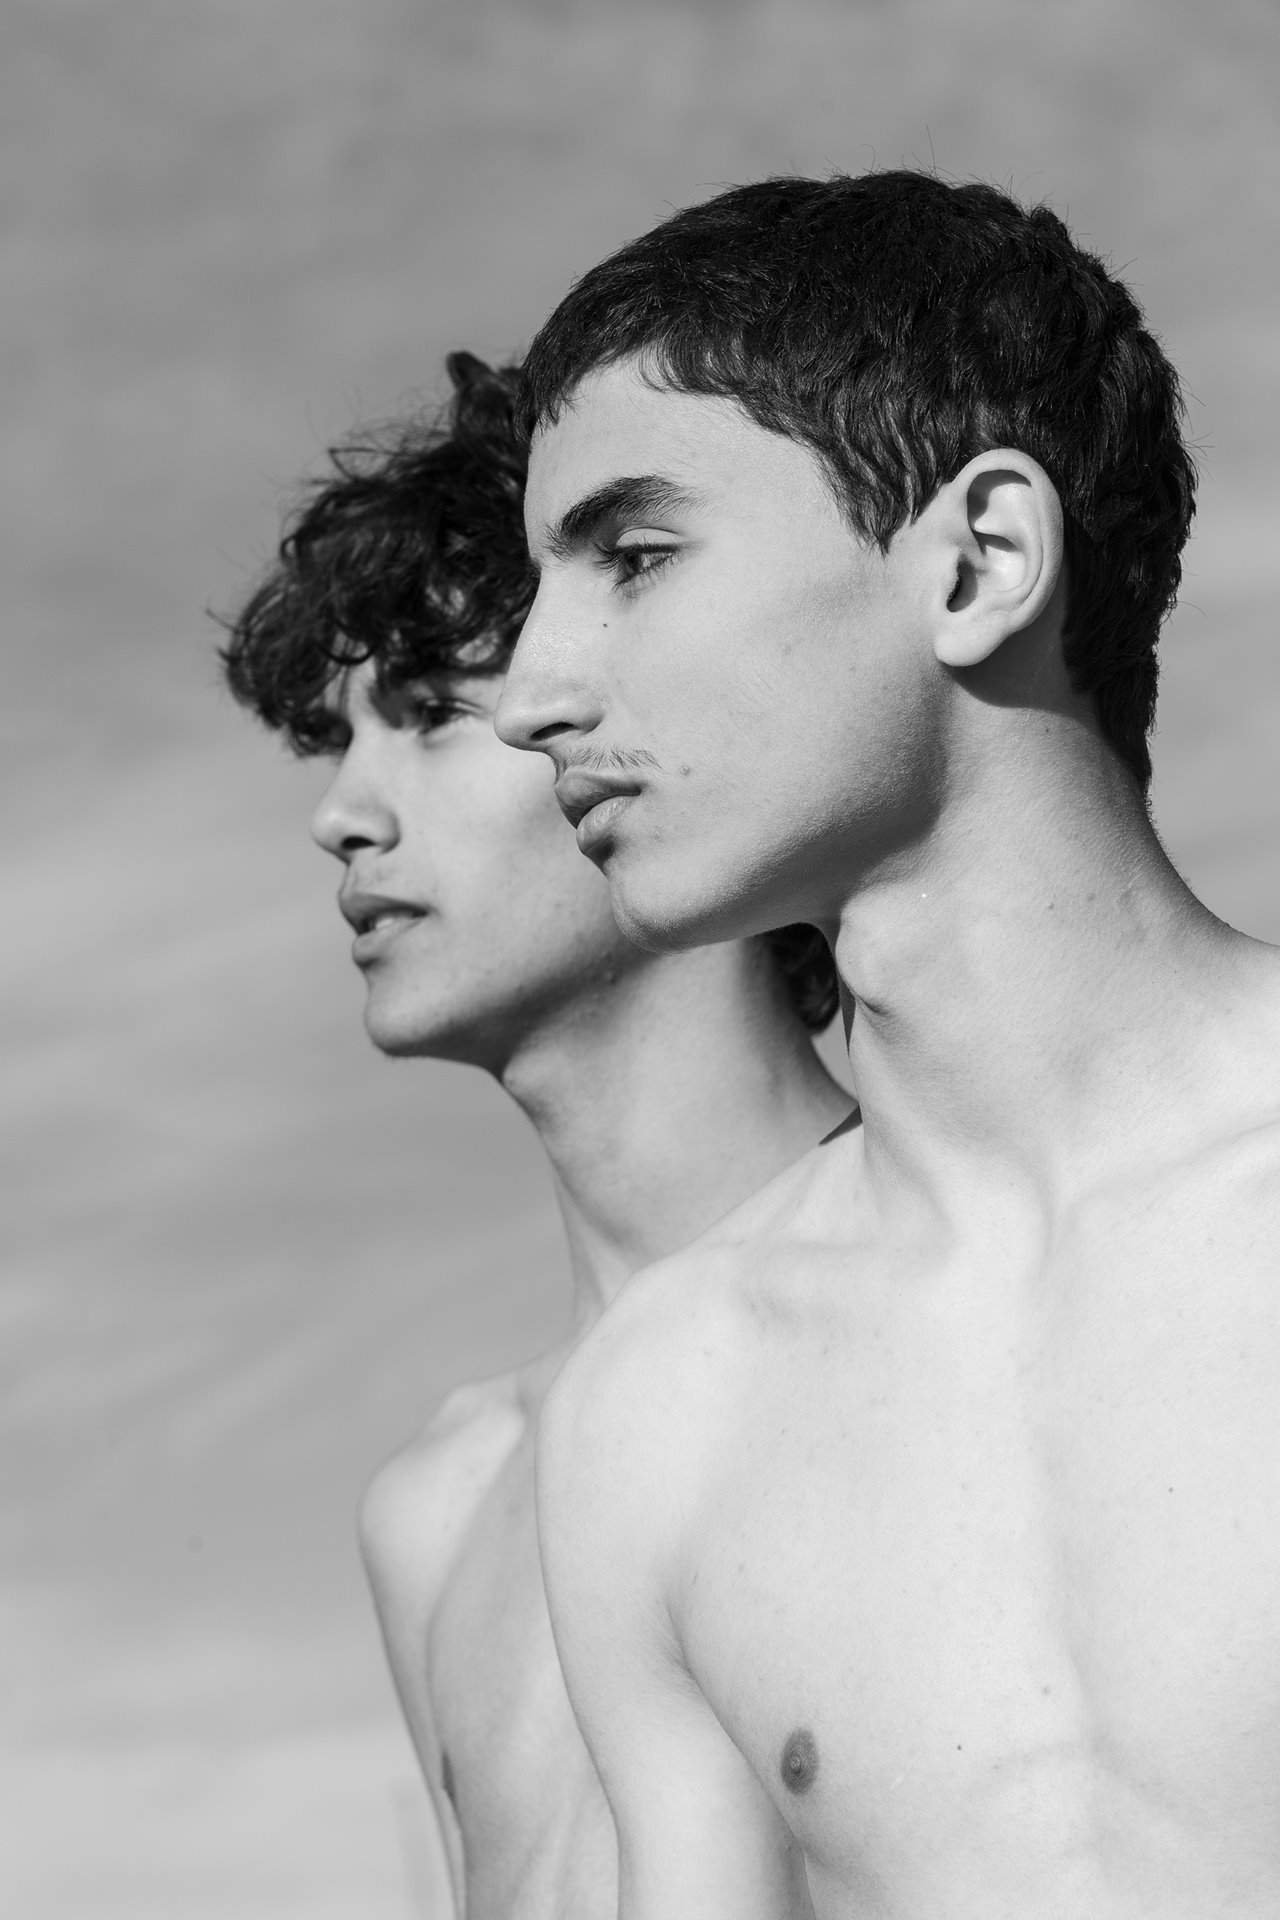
pixel 623 1450
pixel 418 1505
pixel 1234 1181
pixel 1202 1183
pixel 636 1425
pixel 1245 1026
pixel 1235 1156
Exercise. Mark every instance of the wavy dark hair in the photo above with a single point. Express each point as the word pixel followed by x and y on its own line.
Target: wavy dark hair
pixel 898 326
pixel 411 553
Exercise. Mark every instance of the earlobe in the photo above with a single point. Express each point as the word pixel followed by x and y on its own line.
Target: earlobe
pixel 1005 522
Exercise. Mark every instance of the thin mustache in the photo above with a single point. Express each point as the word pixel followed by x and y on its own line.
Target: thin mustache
pixel 609 760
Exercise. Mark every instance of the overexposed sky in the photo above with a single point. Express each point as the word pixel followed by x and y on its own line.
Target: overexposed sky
pixel 247 1254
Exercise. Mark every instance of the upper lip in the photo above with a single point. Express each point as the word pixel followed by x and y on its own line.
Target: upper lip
pixel 362 909
pixel 578 791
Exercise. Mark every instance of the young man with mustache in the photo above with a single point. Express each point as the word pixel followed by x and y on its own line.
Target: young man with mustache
pixel 911 1542
pixel 665 1088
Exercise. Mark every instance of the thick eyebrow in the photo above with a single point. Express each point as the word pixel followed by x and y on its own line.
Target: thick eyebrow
pixel 645 497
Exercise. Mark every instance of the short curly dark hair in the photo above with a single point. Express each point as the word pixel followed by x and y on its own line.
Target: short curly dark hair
pixel 412 554
pixel 898 326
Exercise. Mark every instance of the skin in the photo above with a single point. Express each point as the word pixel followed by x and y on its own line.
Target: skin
pixel 664 1089
pixel 910 1540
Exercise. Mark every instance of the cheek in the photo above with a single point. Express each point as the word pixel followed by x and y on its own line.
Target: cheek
pixel 525 856
pixel 689 683
pixel 743 699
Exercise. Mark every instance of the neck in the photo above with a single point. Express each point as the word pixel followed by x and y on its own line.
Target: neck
pixel 1026 980
pixel 663 1101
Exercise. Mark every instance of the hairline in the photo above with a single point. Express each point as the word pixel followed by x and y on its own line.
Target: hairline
pixel 661 378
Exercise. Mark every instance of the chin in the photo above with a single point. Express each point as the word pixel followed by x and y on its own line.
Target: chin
pixel 469 1034
pixel 672 918
pixel 404 1033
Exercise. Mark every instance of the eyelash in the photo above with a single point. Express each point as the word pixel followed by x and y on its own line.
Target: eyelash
pixel 430 715
pixel 425 715
pixel 614 560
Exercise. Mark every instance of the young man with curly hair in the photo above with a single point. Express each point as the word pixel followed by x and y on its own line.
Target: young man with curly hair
pixel 911 1541
pixel 664 1088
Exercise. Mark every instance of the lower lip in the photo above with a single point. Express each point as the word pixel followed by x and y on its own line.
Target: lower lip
pixel 600 822
pixel 370 946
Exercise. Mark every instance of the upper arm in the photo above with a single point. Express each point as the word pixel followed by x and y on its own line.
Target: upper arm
pixel 412 1519
pixel 402 1578
pixel 405 1545
pixel 618 1468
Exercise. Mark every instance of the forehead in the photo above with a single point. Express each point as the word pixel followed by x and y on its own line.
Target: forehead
pixel 617 425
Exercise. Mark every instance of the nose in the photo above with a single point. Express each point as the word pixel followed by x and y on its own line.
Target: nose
pixel 353 814
pixel 545 696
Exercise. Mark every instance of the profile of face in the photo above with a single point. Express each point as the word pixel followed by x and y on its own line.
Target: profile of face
pixel 728 681
pixel 475 915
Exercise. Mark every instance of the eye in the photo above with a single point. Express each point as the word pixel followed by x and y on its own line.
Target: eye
pixel 428 713
pixel 426 707
pixel 631 564
pixel 327 739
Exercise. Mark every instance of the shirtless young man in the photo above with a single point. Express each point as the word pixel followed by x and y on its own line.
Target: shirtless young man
pixel 912 1543
pixel 664 1088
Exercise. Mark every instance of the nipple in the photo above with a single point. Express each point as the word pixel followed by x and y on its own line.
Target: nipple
pixel 799 1766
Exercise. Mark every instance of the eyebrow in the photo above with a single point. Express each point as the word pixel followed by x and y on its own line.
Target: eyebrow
pixel 645 496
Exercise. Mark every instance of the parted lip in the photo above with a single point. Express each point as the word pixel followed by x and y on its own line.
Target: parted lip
pixel 577 791
pixel 363 910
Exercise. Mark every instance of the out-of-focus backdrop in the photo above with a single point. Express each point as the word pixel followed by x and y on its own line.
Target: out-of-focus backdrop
pixel 244 1254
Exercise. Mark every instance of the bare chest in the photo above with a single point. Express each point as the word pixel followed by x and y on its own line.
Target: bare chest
pixel 537 1836
pixel 1005 1562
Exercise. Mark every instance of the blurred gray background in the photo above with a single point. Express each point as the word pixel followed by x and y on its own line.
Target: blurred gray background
pixel 245 1254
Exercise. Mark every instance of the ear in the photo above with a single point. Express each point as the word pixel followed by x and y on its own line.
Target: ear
pixel 1000 529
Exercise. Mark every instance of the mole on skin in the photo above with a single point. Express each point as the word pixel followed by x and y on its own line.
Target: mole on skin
pixel 799 1766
